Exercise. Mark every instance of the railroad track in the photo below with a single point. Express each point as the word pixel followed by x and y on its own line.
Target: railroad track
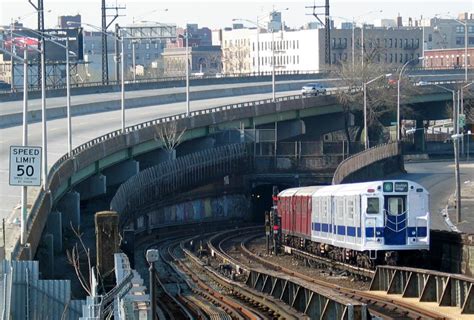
pixel 188 289
pixel 382 307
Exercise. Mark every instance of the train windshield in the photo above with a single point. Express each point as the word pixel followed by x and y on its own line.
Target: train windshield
pixel 395 205
pixel 373 205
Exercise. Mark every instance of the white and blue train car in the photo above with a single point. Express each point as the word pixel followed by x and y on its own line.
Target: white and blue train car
pixel 378 216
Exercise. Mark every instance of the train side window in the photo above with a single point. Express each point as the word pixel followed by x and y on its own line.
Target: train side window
pixel 340 208
pixel 324 208
pixel 350 209
pixel 373 205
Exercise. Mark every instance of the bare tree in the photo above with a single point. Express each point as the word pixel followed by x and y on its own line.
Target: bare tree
pixel 235 58
pixel 76 259
pixel 381 94
pixel 170 136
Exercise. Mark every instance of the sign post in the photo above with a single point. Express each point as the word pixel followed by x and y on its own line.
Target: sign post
pixel 25 170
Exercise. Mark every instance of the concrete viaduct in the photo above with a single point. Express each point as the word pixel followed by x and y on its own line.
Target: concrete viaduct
pixel 112 159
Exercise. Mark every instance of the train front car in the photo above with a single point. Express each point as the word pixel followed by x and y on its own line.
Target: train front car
pixel 396 219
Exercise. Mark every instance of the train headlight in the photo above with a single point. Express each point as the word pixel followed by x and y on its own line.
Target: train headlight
pixel 413 232
pixel 378 233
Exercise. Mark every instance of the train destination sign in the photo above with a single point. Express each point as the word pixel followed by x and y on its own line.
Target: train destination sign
pixel 25 166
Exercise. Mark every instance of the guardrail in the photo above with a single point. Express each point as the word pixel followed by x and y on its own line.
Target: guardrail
pixel 364 159
pixel 445 289
pixel 114 83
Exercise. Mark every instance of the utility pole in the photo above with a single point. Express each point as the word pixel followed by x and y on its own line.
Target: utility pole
pixel 327 27
pixel 105 26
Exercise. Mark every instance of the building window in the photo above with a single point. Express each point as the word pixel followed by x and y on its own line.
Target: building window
pixel 430 37
pixel 471 40
pixel 129 56
pixel 156 45
pixel 390 44
pixel 460 40
pixel 147 56
pixel 147 46
pixel 459 29
pixel 396 43
pixel 129 46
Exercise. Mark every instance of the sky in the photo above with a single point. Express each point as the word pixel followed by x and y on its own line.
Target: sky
pixel 217 14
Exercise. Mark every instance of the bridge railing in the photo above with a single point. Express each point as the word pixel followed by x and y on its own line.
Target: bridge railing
pixel 364 159
pixel 114 83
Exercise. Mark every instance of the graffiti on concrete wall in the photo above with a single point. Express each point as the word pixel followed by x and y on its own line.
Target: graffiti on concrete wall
pixel 207 209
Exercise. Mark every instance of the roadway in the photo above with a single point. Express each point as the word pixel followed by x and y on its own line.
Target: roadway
pixel 84 128
pixel 438 178
pixel 11 107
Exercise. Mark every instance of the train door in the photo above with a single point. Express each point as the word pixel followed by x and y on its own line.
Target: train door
pixel 395 230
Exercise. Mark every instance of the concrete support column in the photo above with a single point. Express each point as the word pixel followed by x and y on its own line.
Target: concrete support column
pixel 54 226
pixel 92 187
pixel 289 129
pixel 107 243
pixel 46 255
pixel 121 172
pixel 420 136
pixel 69 206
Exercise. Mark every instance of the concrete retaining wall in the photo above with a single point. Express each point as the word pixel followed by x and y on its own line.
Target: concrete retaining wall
pixel 452 252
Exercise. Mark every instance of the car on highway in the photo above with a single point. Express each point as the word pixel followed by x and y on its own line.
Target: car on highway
pixel 313 89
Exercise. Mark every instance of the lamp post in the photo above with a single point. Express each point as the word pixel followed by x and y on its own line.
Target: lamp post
pixel 398 93
pixel 68 82
pixel 188 108
pixel 455 146
pixel 255 23
pixel 258 39
pixel 122 61
pixel 152 256
pixel 461 94
pixel 366 136
pixel 24 189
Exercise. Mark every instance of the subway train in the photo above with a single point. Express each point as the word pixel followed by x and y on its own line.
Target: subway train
pixel 363 224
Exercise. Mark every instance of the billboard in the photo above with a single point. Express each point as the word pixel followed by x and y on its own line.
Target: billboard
pixel 15 40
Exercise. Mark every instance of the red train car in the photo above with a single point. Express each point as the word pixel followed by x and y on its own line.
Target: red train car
pixel 294 208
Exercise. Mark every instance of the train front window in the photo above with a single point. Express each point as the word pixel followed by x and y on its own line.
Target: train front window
pixel 395 206
pixel 373 205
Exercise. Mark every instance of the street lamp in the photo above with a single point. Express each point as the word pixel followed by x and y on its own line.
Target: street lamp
pixel 366 136
pixel 455 137
pixel 122 61
pixel 255 23
pixel 461 95
pixel 24 189
pixel 464 23
pixel 152 256
pixel 398 93
pixel 186 37
pixel 68 84
pixel 258 40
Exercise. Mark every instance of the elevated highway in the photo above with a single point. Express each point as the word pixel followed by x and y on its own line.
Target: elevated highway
pixel 92 128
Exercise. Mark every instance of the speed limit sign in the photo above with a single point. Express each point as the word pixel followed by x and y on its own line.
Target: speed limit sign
pixel 25 166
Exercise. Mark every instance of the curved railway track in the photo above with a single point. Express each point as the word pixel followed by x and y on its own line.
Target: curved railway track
pixel 381 307
pixel 187 288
